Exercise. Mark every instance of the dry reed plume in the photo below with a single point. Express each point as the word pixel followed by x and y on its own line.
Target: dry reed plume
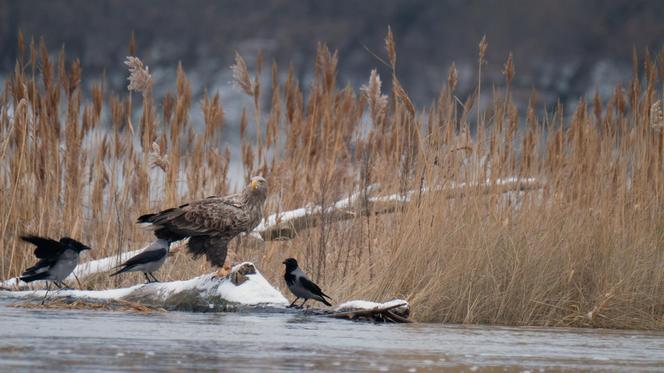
pixel 586 249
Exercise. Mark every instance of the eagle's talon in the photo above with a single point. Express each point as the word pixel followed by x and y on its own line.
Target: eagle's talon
pixel 222 272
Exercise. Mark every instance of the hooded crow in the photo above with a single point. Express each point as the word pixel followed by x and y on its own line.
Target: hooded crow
pixel 57 259
pixel 147 261
pixel 301 286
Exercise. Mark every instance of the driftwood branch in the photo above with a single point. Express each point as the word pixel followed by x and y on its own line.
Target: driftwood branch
pixel 379 313
pixel 288 224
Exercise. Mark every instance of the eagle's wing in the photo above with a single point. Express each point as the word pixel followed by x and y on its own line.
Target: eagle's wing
pixel 210 216
pixel 215 215
pixel 209 223
pixel 223 218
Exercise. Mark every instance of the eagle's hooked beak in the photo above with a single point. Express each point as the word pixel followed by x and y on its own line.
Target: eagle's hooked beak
pixel 254 184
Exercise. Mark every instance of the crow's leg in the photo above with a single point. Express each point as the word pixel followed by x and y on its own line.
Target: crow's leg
pixel 64 285
pixel 293 304
pixel 155 279
pixel 302 305
pixel 147 277
pixel 77 281
pixel 48 287
pixel 57 283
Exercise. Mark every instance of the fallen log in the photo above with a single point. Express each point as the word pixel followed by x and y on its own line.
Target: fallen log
pixel 243 289
pixel 244 286
pixel 286 225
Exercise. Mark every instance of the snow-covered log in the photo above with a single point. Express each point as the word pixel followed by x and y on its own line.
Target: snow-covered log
pixel 243 286
pixel 287 224
pixel 396 310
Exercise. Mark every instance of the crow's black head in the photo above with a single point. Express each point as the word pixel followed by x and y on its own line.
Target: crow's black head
pixel 71 243
pixel 290 263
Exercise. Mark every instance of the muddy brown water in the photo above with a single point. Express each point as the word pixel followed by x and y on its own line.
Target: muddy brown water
pixel 84 340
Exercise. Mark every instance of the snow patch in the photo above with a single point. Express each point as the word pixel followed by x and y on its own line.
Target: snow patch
pixel 256 290
pixel 83 294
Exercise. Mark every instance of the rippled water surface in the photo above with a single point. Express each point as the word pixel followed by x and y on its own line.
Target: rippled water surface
pixel 65 340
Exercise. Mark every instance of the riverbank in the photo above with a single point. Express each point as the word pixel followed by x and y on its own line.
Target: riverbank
pixel 474 216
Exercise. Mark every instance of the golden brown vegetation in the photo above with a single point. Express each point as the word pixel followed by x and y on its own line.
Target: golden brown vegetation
pixel 586 249
pixel 80 304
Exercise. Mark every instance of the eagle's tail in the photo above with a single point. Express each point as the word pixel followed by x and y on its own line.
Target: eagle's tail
pixel 146 219
pixel 161 216
pixel 160 223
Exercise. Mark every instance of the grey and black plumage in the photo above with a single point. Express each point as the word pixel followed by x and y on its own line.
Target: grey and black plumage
pixel 212 222
pixel 57 259
pixel 148 261
pixel 299 284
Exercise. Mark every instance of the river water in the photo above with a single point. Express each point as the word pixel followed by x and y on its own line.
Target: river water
pixel 83 340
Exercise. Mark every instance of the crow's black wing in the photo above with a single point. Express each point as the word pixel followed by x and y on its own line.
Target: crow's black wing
pixel 145 257
pixel 289 278
pixel 46 247
pixel 68 242
pixel 309 285
pixel 42 264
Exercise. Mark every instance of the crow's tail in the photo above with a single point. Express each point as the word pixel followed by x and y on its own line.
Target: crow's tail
pixel 124 269
pixel 34 277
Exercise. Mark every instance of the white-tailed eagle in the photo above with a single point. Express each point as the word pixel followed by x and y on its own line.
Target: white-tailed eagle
pixel 212 222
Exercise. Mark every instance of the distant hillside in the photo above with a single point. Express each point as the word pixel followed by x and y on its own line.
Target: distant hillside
pixel 557 44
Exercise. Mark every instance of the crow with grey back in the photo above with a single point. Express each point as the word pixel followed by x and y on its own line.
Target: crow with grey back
pixel 57 259
pixel 212 222
pixel 299 284
pixel 148 261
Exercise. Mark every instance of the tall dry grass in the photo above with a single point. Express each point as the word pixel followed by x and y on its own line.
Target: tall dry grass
pixel 584 250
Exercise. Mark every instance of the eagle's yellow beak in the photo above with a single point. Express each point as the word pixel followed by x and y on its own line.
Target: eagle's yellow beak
pixel 254 184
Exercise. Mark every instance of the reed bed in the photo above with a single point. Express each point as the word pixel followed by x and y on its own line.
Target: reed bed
pixel 586 249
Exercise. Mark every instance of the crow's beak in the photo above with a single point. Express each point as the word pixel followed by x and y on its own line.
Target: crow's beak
pixel 284 262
